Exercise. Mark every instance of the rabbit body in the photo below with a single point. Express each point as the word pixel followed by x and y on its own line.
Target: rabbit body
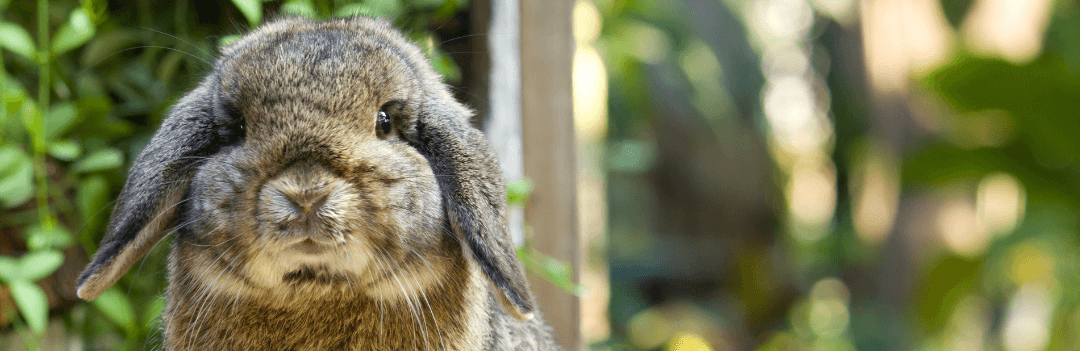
pixel 327 193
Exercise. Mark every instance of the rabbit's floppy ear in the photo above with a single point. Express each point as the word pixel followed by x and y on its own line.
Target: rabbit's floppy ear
pixel 475 197
pixel 197 126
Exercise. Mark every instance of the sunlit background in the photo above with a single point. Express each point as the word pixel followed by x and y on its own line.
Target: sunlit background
pixel 753 175
pixel 833 174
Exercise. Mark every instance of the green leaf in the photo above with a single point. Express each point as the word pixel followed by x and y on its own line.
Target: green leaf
pixel 445 65
pixel 32 303
pixel 66 150
pixel 9 268
pixel 426 3
pixel 558 273
pixel 10 158
pixel 33 122
pixel 252 10
pixel 226 40
pixel 116 306
pixel 152 312
pixel 77 31
pixel 300 8
pixel 39 238
pixel 99 160
pixel 17 185
pixel 59 118
pixel 371 8
pixel 106 44
pixel 16 39
pixel 517 192
pixel 39 264
pixel 91 196
pixel 14 93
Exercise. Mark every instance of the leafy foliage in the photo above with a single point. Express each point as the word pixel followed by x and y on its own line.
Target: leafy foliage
pixel 83 85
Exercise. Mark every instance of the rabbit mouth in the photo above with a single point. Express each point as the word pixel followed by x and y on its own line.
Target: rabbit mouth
pixel 311 247
pixel 318 275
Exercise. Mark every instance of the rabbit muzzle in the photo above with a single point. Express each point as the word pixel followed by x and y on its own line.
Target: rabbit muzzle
pixel 305 205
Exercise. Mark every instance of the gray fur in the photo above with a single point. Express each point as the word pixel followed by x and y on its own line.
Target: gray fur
pixel 300 227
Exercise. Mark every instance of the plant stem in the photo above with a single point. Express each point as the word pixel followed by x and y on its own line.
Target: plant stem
pixel 3 97
pixel 38 124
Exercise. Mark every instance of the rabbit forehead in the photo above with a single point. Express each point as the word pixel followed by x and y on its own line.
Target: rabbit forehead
pixel 348 66
pixel 322 75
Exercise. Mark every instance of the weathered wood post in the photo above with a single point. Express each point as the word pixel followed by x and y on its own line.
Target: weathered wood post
pixel 550 153
pixel 529 119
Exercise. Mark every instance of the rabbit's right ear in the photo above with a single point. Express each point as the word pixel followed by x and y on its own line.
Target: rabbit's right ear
pixel 475 197
pixel 199 124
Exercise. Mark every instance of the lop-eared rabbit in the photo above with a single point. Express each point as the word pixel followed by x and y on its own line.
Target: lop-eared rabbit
pixel 326 193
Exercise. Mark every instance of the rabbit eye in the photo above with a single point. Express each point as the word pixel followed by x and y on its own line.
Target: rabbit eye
pixel 383 124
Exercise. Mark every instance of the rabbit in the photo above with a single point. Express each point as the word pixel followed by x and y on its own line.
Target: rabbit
pixel 326 192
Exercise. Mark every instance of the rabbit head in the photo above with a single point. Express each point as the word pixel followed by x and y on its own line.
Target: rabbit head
pixel 317 160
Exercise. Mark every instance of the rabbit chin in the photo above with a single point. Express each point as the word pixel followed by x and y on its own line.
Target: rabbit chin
pixel 298 272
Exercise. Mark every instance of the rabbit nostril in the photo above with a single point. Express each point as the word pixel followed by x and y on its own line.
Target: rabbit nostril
pixel 307 201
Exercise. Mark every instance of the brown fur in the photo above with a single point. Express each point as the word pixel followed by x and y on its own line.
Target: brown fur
pixel 305 228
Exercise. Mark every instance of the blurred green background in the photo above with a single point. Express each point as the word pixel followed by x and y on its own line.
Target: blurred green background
pixel 842 174
pixel 755 175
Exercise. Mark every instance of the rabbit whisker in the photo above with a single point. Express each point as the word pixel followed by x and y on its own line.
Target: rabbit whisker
pixel 148 47
pixel 205 293
pixel 382 309
pixel 461 37
pixel 208 304
pixel 390 273
pixel 83 227
pixel 177 38
pixel 348 258
pixel 408 297
pixel 142 261
pixel 423 294
pixel 414 300
pixel 246 258
pixel 382 313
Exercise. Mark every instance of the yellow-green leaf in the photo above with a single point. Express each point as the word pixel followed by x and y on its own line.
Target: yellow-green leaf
pixel 116 306
pixel 228 39
pixel 59 118
pixel 252 10
pixel 32 303
pixel 66 150
pixel 9 269
pixel 40 238
pixel 10 158
pixel 91 196
pixel 77 31
pixel 39 264
pixel 300 8
pixel 17 185
pixel 99 160
pixel 16 39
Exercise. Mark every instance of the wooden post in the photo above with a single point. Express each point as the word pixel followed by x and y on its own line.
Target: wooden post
pixel 550 154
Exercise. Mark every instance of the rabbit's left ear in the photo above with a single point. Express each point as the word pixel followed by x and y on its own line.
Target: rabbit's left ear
pixel 147 206
pixel 475 197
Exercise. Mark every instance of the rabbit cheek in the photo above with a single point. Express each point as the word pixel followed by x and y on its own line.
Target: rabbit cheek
pixel 211 244
pixel 408 258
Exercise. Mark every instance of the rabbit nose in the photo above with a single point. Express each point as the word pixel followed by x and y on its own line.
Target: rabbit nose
pixel 306 201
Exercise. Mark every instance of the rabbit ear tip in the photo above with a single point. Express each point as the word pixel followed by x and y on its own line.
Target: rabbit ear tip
pixel 89 286
pixel 522 310
pixel 85 293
